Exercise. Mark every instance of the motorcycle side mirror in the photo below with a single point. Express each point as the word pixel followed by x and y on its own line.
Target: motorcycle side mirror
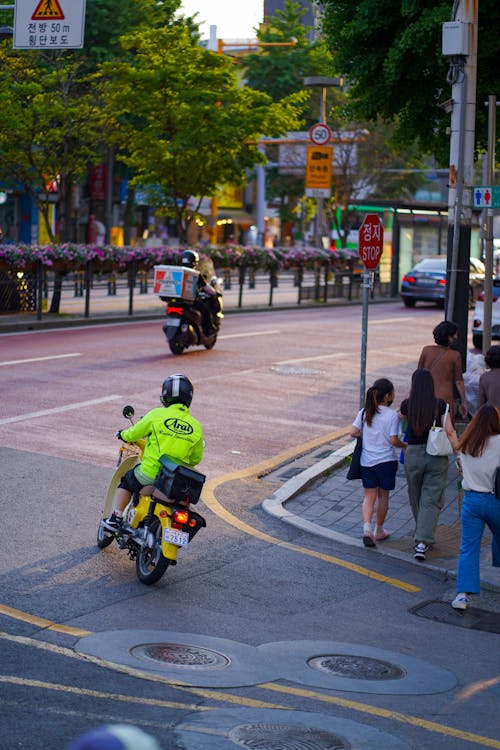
pixel 128 412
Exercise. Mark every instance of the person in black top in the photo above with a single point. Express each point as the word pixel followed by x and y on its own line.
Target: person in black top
pixel 425 474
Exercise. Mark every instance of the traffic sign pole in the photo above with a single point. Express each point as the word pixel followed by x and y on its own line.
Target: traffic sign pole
pixel 367 284
pixel 370 248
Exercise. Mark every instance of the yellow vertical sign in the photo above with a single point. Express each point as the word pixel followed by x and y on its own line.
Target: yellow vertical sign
pixel 319 167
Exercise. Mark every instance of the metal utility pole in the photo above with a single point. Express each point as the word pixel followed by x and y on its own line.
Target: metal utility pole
pixel 488 224
pixel 460 44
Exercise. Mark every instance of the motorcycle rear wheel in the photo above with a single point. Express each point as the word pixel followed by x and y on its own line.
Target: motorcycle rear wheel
pixel 210 341
pixel 150 564
pixel 104 538
pixel 176 346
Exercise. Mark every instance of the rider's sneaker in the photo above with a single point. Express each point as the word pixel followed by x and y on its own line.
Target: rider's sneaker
pixel 112 523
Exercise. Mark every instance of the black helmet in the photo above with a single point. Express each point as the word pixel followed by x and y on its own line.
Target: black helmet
pixel 190 259
pixel 177 389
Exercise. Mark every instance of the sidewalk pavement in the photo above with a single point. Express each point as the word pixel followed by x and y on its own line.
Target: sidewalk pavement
pixel 320 499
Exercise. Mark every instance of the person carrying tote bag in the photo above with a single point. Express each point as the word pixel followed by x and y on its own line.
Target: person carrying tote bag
pixel 438 443
pixel 426 474
pixel 379 425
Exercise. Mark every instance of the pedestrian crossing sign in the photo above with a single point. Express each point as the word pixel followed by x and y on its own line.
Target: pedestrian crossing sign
pixel 48 10
pixel 49 24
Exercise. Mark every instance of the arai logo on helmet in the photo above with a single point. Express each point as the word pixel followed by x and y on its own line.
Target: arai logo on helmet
pixel 178 426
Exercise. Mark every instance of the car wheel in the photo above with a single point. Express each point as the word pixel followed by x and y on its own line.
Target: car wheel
pixel 408 302
pixel 477 340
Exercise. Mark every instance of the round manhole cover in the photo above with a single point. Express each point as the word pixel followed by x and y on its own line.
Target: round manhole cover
pixel 181 655
pixel 356 667
pixel 285 737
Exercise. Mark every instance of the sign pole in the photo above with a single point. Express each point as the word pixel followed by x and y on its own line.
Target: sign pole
pixel 364 335
pixel 370 248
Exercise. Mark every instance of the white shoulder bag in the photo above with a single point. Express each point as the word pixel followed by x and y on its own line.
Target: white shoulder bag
pixel 437 441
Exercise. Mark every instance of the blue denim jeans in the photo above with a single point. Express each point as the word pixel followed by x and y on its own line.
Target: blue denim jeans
pixel 478 509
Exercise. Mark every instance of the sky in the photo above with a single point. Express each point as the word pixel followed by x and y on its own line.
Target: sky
pixel 234 19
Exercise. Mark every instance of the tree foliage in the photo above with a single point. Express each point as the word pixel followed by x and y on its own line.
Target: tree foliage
pixel 391 55
pixel 51 125
pixel 184 123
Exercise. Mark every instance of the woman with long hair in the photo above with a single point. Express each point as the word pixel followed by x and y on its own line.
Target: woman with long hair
pixel 479 457
pixel 425 474
pixel 380 426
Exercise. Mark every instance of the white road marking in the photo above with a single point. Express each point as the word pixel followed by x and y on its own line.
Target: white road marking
pixel 247 335
pixel 311 359
pixel 58 409
pixel 389 320
pixel 39 359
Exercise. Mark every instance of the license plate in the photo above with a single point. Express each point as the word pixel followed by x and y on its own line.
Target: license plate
pixel 173 536
pixel 426 282
pixel 174 322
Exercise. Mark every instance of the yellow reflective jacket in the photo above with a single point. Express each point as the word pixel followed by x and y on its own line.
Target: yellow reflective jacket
pixel 171 432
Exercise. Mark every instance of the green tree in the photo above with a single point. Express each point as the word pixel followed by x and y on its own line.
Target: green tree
pixel 51 126
pixel 280 70
pixel 184 123
pixel 391 55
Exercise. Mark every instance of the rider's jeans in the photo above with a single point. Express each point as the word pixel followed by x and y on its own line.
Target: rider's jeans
pixel 478 509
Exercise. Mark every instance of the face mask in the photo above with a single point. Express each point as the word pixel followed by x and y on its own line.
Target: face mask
pixel 389 403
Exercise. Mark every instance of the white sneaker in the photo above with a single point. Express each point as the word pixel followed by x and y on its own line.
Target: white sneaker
pixel 460 601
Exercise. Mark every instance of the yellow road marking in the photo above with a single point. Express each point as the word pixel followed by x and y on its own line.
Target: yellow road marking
pixel 210 500
pixel 141 700
pixel 137 673
pixel 218 695
pixel 42 622
pixel 384 713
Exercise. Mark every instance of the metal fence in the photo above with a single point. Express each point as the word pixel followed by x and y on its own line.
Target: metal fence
pixel 87 292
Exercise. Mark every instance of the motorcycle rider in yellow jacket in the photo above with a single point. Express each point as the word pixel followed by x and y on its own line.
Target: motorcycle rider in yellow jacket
pixel 169 431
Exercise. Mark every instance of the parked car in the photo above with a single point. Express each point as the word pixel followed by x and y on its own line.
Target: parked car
pixel 426 282
pixel 478 320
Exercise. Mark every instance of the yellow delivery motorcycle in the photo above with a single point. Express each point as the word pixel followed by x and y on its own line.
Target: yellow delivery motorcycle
pixel 159 520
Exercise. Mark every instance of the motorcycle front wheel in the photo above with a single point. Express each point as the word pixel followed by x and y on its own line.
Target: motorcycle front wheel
pixel 104 537
pixel 150 564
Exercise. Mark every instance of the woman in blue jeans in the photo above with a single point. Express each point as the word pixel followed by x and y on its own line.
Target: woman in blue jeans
pixel 479 457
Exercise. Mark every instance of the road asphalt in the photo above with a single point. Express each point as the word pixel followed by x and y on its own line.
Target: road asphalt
pixel 314 493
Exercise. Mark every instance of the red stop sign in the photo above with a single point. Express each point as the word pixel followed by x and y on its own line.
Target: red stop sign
pixel 371 241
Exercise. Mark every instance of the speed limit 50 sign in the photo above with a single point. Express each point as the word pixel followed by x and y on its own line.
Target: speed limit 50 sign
pixel 320 134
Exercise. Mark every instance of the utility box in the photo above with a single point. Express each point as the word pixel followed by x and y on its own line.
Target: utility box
pixel 456 38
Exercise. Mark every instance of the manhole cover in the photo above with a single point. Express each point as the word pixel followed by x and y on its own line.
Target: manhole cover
pixel 285 737
pixel 472 618
pixel 356 667
pixel 288 370
pixel 181 655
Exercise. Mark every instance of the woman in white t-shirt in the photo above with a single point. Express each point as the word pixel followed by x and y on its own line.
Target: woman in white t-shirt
pixel 379 463
pixel 479 457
